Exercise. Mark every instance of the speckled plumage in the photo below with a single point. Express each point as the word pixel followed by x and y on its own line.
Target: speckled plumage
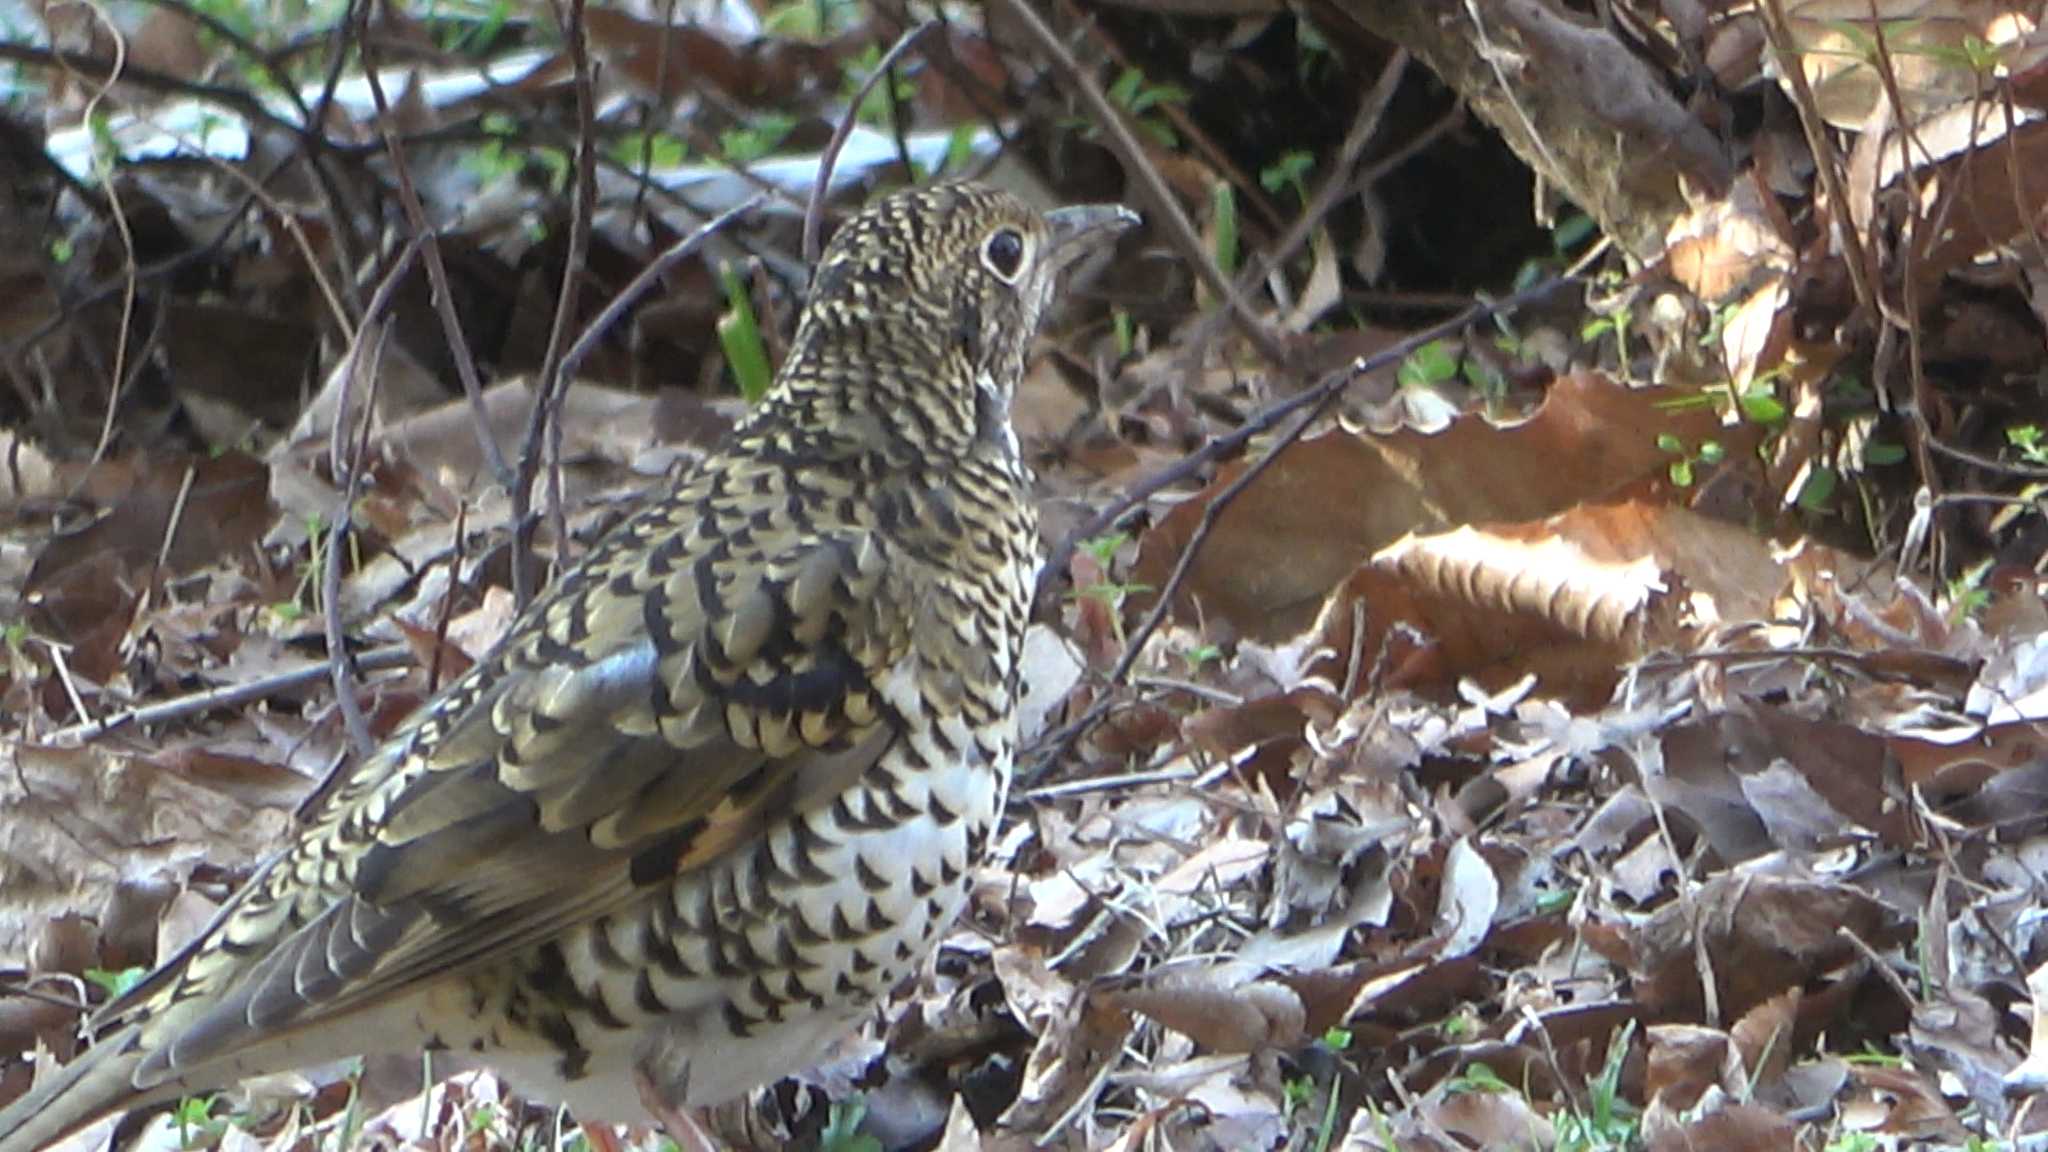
pixel 721 787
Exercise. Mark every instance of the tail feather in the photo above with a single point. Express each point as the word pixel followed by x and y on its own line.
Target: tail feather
pixel 100 1082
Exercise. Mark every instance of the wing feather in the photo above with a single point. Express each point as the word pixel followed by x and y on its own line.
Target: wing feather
pixel 536 794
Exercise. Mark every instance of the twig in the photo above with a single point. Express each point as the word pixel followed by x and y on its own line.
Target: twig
pixel 1268 417
pixel 228 696
pixel 1211 154
pixel 814 212
pixel 552 384
pixel 63 667
pixel 347 467
pixel 446 615
pixel 1180 231
pixel 674 254
pixel 371 335
pixel 1336 184
pixel 437 272
pixel 1315 400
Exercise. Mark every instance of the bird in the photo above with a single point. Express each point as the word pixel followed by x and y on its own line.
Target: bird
pixel 720 788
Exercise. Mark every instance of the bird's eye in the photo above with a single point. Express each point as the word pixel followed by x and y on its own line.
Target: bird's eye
pixel 1003 252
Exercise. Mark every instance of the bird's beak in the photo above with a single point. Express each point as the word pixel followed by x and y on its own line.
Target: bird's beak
pixel 1082 228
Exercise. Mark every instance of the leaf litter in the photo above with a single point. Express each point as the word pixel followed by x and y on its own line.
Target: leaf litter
pixel 1561 744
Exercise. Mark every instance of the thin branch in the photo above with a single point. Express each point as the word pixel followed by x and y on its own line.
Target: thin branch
pixel 613 312
pixel 553 383
pixel 1180 231
pixel 814 212
pixel 227 696
pixel 348 468
pixel 437 272
pixel 1315 401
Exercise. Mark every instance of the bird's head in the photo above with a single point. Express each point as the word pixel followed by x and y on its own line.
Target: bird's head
pixel 924 304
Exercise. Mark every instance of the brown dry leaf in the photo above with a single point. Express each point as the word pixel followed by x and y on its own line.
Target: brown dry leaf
pixel 666 61
pixel 1730 246
pixel 1333 500
pixel 190 512
pixel 1763 934
pixel 1924 43
pixel 2032 1073
pixel 1963 160
pixel 1490 1119
pixel 1768 778
pixel 1468 900
pixel 1899 1101
pixel 77 823
pixel 1220 1014
pixel 1571 598
pixel 1730 1128
pixel 1763 1037
pixel 1687 1060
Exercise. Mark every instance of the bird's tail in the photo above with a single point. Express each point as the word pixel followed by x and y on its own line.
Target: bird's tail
pixel 100 1081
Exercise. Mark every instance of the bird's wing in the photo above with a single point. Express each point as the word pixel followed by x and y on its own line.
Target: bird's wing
pixel 699 675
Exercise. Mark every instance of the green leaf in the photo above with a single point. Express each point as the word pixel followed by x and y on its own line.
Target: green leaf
pixel 1286 171
pixel 1666 442
pixel 1761 406
pixel 960 147
pixel 1819 489
pixel 1879 453
pixel 757 140
pixel 1125 89
pixel 116 983
pixel 842 1129
pixel 739 337
pixel 1571 232
pixel 1430 364
pixel 1223 199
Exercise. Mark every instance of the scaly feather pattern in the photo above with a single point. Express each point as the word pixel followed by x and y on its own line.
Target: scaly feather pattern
pixel 720 787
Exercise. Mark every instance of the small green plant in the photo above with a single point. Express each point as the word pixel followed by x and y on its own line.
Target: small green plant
pixel 1684 469
pixel 811 19
pixel 1609 1123
pixel 960 148
pixel 1817 491
pixel 1967 595
pixel 1109 593
pixel 1125 332
pixel 876 109
pixel 842 1128
pixel 1289 171
pixel 1875 1057
pixel 196 1124
pixel 651 149
pixel 2030 442
pixel 1223 204
pixel 755 141
pixel 1854 1142
pixel 1428 366
pixel 1616 321
pixel 1459 1026
pixel 1142 100
pixel 468 29
pixel 503 156
pixel 1204 655
pixel 114 983
pixel 1295 1094
pixel 739 336
pixel 1478 1078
